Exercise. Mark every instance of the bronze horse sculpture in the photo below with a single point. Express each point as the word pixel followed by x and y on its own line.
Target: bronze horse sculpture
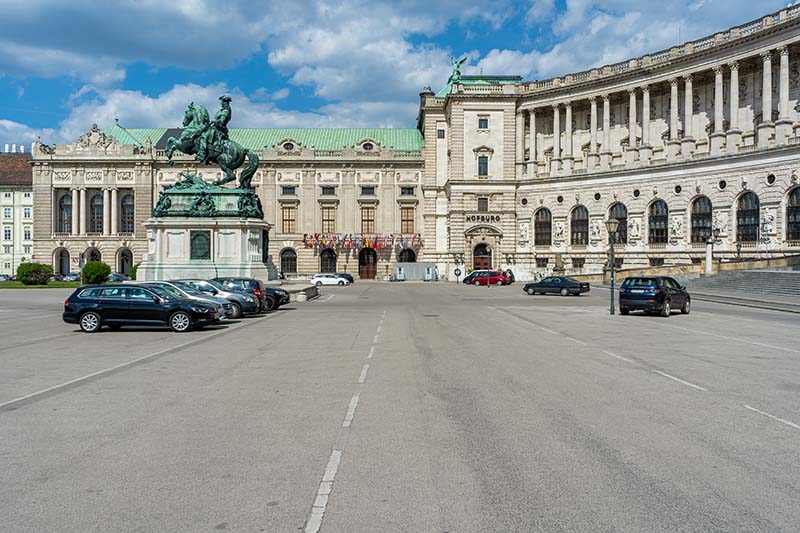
pixel 228 154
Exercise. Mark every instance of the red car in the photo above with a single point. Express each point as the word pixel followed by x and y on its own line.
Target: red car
pixel 492 277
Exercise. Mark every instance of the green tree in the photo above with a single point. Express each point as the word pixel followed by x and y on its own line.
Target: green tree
pixel 95 272
pixel 34 273
pixel 134 269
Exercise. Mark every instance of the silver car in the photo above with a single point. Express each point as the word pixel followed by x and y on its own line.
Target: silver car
pixel 225 307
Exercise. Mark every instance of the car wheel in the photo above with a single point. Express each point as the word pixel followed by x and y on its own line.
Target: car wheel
pixel 341 283
pixel 270 304
pixel 687 307
pixel 531 292
pixel 237 310
pixel 499 283
pixel 564 291
pixel 666 310
pixel 90 322
pixel 624 311
pixel 319 284
pixel 180 322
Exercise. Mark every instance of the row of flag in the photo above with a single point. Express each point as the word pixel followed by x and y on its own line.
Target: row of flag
pixel 357 241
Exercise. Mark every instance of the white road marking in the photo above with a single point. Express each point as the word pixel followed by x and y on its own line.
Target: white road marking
pixel 329 298
pixel 375 339
pixel 363 377
pixel 371 352
pixel 617 356
pixel 754 343
pixel 781 420
pixel 679 380
pixel 100 373
pixel 574 340
pixel 351 411
pixel 314 522
pixel 379 329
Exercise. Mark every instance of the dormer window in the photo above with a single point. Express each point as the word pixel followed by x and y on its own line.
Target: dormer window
pixel 368 147
pixel 288 146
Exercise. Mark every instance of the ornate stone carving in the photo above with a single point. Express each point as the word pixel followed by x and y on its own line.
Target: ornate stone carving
pixel 94 138
pixel 768 223
pixel 676 227
pixel 558 234
pixel 596 229
pixel 125 175
pixel 95 175
pixel 721 222
pixel 524 233
pixel 44 148
pixel 633 230
pixel 62 175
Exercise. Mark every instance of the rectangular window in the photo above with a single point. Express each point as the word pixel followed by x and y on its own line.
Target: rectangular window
pixel 656 261
pixel 406 191
pixel 367 191
pixel 483 205
pixel 367 220
pixel 26 233
pixel 7 265
pixel 26 212
pixel 7 195
pixel 6 212
pixel 483 166
pixel 328 191
pixel 578 262
pixel 541 262
pixel 406 220
pixel 328 219
pixel 289 190
pixel 289 219
pixel 7 233
pixel 26 195
pixel 6 249
pixel 440 134
pixel 483 123
pixel 26 249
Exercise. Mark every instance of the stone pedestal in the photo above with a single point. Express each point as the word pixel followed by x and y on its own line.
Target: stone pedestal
pixel 591 162
pixel 783 130
pixel 645 154
pixel 673 149
pixel 765 131
pixel 733 140
pixel 687 147
pixel 605 160
pixel 566 165
pixel 191 247
pixel 632 156
pixel 716 143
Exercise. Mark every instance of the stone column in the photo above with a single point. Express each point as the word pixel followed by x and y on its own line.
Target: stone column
pixel 734 134
pixel 591 162
pixel 717 138
pixel 568 159
pixel 605 154
pixel 75 211
pixel 766 129
pixel 533 167
pixel 645 150
pixel 633 150
pixel 520 159
pixel 688 141
pixel 106 212
pixel 674 143
pixel 83 212
pixel 114 212
pixel 555 163
pixel 783 128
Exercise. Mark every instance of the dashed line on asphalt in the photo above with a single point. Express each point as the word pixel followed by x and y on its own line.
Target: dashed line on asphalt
pixel 351 411
pixel 375 339
pixel 618 356
pixel 736 339
pixel 773 417
pixel 371 352
pixel 679 380
pixel 363 377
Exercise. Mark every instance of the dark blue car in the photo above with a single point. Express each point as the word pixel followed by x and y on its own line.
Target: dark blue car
pixel 653 294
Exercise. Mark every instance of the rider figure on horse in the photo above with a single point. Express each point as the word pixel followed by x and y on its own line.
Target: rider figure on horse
pixel 216 132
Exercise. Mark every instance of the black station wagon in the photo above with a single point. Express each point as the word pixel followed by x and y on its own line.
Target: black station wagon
pixel 653 294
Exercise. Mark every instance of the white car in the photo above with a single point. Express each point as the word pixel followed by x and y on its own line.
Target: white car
pixel 328 279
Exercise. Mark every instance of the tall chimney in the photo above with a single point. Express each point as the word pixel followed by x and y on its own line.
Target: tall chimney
pixel 14 148
pixel 6 148
pixel 22 148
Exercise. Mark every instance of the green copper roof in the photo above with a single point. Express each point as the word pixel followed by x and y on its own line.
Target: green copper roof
pixel 479 80
pixel 319 138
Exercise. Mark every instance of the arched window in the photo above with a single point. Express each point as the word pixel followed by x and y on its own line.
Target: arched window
pixel 793 215
pixel 407 255
pixel 127 214
pixel 125 260
pixel 579 226
pixel 92 254
pixel 327 261
pixel 64 214
pixel 543 227
pixel 620 212
pixel 658 222
pixel 96 214
pixel 702 225
pixel 289 261
pixel 62 261
pixel 747 218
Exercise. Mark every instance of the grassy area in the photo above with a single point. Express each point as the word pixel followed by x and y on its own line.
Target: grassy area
pixel 51 285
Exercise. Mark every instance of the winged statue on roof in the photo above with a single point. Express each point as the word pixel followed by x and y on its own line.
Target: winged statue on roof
pixel 208 141
pixel 457 64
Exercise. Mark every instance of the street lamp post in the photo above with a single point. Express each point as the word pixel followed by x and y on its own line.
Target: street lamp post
pixel 713 239
pixel 612 224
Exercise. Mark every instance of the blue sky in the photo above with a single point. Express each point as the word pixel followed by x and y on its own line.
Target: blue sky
pixel 65 65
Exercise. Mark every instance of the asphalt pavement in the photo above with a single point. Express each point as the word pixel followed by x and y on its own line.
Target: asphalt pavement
pixel 403 407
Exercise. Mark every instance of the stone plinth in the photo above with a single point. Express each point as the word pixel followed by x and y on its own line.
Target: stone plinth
pixel 193 247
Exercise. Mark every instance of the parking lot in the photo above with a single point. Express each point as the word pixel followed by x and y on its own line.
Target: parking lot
pixel 403 406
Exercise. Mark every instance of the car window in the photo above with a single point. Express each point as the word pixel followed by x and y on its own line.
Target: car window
pixel 672 283
pixel 89 293
pixel 554 281
pixel 175 293
pixel 162 293
pixel 639 282
pixel 135 293
pixel 112 293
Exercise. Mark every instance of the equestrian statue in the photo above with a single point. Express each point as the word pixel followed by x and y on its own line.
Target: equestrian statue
pixel 209 143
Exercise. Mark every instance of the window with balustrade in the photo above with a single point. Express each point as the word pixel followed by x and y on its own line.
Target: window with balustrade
pixel 658 222
pixel 543 227
pixel 620 212
pixel 579 226
pixel 747 218
pixel 702 223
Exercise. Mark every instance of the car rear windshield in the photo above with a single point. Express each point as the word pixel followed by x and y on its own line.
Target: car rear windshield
pixel 640 282
pixel 188 289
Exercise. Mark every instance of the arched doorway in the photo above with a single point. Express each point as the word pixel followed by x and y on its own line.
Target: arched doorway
pixel 482 257
pixel 407 255
pixel 367 263
pixel 124 261
pixel 62 262
pixel 288 261
pixel 92 254
pixel 327 261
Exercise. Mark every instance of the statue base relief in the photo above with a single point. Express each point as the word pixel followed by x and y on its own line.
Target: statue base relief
pixel 192 247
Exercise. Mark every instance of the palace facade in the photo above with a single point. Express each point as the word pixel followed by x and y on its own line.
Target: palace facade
pixel 697 142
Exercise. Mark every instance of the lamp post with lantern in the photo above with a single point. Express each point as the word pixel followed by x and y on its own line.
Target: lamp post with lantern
pixel 612 224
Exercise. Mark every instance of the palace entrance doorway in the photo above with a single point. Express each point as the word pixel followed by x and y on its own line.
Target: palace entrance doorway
pixel 482 257
pixel 367 263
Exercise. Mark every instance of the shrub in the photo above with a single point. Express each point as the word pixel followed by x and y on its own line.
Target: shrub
pixel 34 273
pixel 95 272
pixel 134 268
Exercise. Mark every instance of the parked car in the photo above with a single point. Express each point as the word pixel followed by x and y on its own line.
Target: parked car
pixel 557 285
pixel 192 294
pixel 5 277
pixel 117 278
pixel 252 286
pixel 120 305
pixel 490 277
pixel 653 294
pixel 241 303
pixel 56 277
pixel 345 275
pixel 470 278
pixel 281 296
pixel 328 279
pixel 72 276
